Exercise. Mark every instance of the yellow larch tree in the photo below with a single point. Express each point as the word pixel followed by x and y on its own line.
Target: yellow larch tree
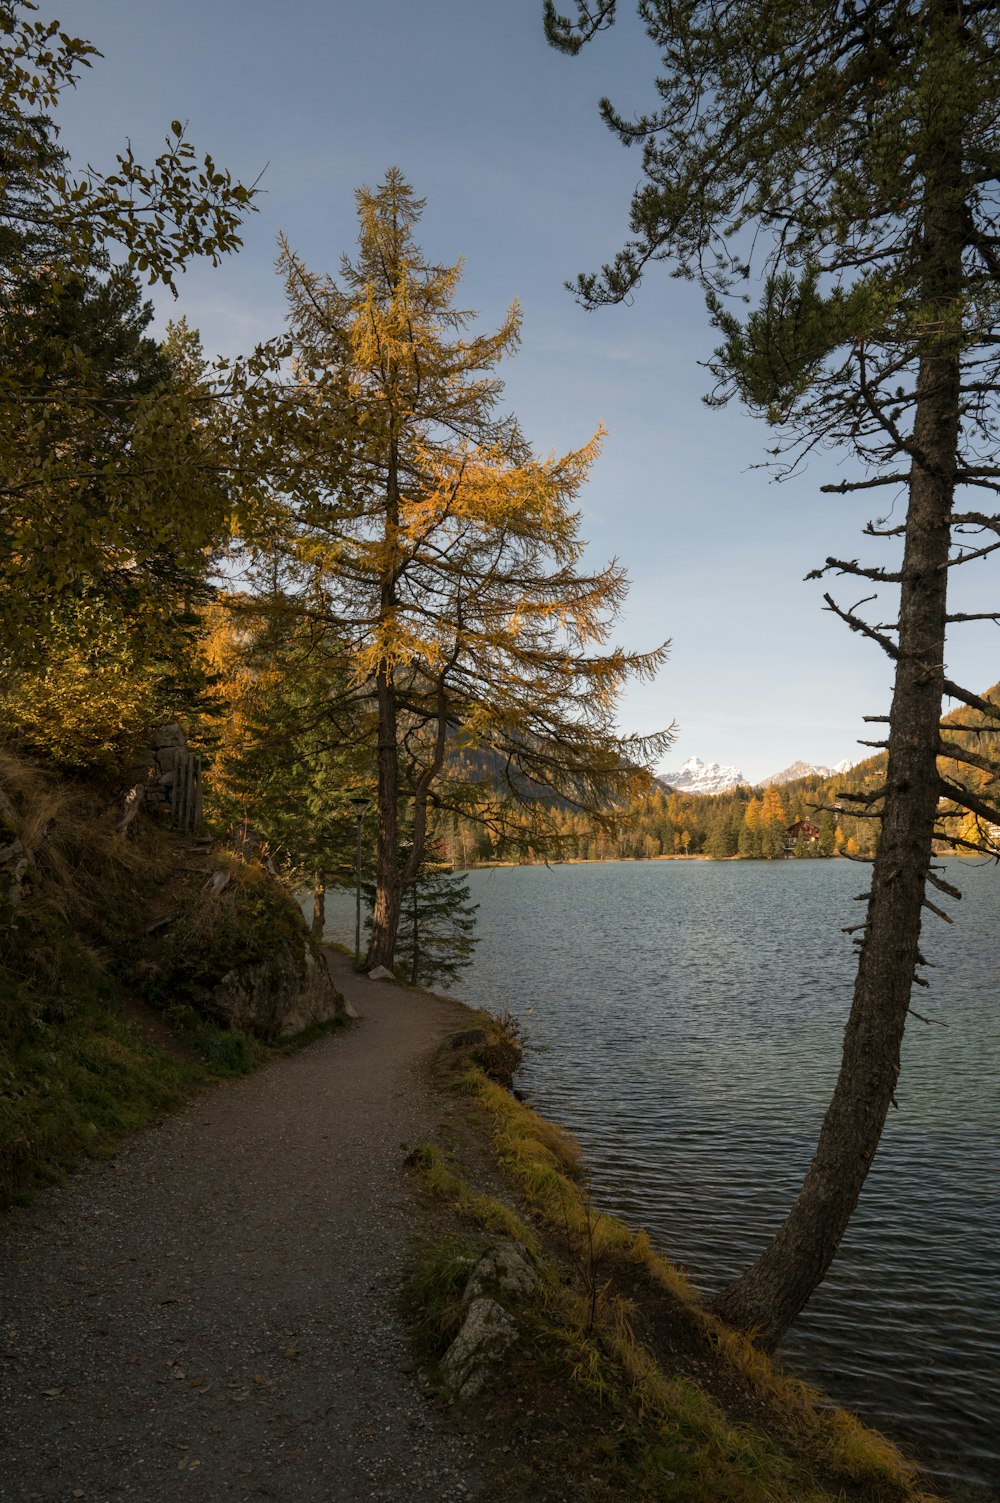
pixel 442 552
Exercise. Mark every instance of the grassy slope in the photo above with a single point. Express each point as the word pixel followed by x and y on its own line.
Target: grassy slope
pixel 84 1058
pixel 622 1386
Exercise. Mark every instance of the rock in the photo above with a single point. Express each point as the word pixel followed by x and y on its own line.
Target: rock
pixel 505 1271
pixel 279 996
pixel 380 973
pixel 167 735
pixel 487 1333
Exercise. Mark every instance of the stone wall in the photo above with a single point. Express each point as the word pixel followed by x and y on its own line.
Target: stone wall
pixel 169 776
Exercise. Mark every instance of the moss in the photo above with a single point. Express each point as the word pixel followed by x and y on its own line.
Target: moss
pixel 242 925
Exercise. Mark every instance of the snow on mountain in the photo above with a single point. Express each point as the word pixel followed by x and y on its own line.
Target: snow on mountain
pixel 805 770
pixel 697 776
pixel 800 770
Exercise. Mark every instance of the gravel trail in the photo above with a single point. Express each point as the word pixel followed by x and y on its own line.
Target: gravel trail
pixel 212 1314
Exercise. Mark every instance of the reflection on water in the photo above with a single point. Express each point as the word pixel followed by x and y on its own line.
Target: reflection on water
pixel 684 1022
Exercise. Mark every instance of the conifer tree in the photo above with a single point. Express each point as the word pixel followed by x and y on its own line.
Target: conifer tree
pixel 442 554
pixel 437 938
pixel 856 149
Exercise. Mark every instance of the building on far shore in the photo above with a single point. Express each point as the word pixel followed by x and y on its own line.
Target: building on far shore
pixel 802 831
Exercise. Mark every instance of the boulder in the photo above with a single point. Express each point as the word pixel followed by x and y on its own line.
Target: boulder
pixel 486 1335
pixel 504 1272
pixel 279 996
pixel 380 973
pixel 167 735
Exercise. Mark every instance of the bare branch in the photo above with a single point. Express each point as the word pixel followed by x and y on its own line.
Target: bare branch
pixel 971 758
pixel 968 800
pixel 856 624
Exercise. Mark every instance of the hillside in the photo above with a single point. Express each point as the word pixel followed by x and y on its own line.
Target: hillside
pixel 135 966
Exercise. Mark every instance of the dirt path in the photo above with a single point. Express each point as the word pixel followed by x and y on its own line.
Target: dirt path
pixel 211 1315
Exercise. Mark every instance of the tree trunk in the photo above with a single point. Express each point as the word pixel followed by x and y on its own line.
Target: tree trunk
pixel 388 880
pixel 319 905
pixel 766 1299
pixel 415 967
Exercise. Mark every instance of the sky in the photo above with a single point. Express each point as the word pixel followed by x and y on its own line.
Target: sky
pixel 501 135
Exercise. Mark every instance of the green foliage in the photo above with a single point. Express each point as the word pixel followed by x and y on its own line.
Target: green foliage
pixel 228 1052
pixel 432 1295
pixel 76 1073
pixel 91 700
pixel 437 925
pixel 288 752
pixel 161 214
pixel 74 1081
pixel 111 503
pixel 110 467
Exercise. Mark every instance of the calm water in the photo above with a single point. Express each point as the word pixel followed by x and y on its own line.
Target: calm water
pixel 684 1022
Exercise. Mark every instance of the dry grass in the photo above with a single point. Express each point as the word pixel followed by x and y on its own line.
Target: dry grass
pixel 707 1416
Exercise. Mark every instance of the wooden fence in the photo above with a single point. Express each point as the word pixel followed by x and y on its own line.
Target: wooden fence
pixel 185 792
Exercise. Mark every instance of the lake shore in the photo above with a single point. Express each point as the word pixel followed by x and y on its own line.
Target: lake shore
pixel 244 1264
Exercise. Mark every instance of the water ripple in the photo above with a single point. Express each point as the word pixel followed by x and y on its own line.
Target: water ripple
pixel 685 1020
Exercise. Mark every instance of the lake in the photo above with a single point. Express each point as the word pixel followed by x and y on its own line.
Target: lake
pixel 684 1022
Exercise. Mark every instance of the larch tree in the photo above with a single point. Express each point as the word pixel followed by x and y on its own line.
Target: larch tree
pixel 443 555
pixel 849 152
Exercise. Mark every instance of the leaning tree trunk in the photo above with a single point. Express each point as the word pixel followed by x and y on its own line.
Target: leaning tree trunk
pixel 766 1299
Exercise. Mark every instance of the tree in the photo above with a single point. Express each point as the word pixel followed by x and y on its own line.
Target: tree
pixel 442 555
pixel 284 761
pixel 436 938
pixel 106 459
pixel 114 512
pixel 161 215
pixel 856 148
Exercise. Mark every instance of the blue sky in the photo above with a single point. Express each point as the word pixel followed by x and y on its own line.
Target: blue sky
pixel 502 137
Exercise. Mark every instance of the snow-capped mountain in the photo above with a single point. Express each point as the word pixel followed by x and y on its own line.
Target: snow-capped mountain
pixel 805 770
pixel 697 776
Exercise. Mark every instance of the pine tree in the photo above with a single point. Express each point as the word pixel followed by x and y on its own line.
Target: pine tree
pixel 436 939
pixel 857 148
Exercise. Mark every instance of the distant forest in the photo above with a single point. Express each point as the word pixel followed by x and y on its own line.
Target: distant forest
pixel 746 822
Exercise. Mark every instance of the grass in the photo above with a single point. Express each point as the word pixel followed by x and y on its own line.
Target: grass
pixel 73 1085
pixel 77 1073
pixel 655 1398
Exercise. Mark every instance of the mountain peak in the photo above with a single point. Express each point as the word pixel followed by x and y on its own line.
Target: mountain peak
pixel 697 776
pixel 701 777
pixel 804 770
